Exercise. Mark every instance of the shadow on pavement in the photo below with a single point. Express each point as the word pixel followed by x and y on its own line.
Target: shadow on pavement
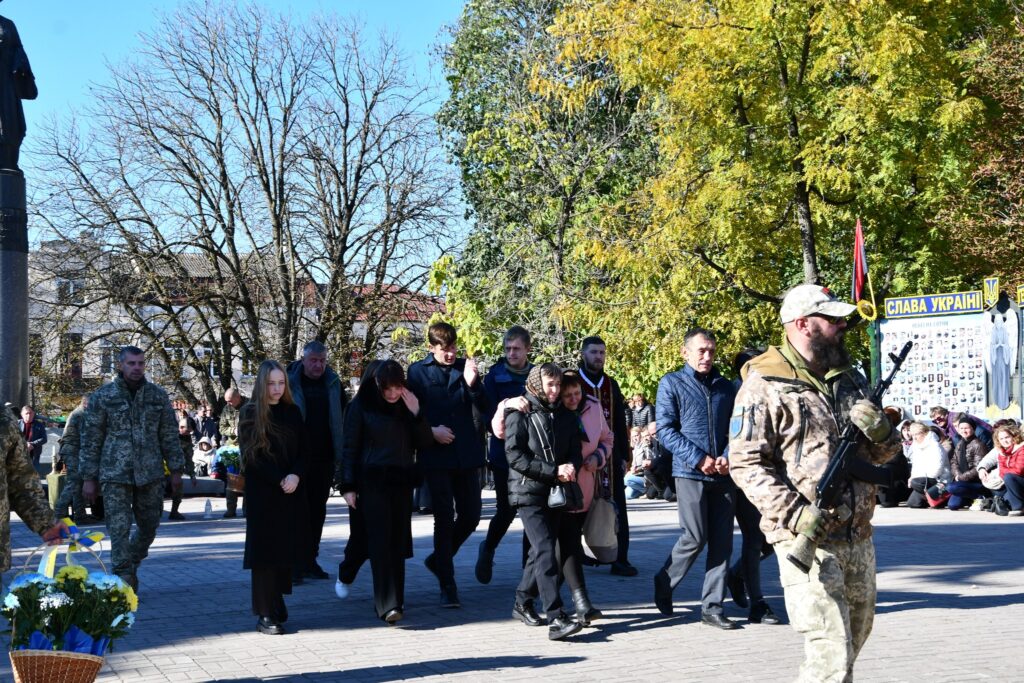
pixel 440 667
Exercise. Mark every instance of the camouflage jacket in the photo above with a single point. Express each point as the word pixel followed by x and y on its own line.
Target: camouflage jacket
pixel 127 440
pixel 785 424
pixel 71 439
pixel 229 422
pixel 20 489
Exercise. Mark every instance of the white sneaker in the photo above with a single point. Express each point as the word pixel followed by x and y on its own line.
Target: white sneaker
pixel 341 589
pixel 1015 513
pixel 976 505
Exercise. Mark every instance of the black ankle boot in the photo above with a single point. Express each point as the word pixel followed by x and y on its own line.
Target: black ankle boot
pixel 585 612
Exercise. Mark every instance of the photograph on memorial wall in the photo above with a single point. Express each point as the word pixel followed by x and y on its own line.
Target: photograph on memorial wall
pixel 946 367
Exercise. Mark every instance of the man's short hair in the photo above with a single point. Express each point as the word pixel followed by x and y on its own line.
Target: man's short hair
pixel 551 370
pixel 313 346
pixel 129 351
pixel 441 334
pixel 966 420
pixel 698 332
pixel 520 333
pixel 937 411
pixel 24 408
pixel 591 341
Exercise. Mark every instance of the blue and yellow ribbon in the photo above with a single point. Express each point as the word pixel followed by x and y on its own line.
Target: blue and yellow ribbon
pixel 77 541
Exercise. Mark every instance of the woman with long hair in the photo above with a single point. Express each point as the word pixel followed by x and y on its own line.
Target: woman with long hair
pixel 1010 442
pixel 543 450
pixel 272 442
pixel 383 430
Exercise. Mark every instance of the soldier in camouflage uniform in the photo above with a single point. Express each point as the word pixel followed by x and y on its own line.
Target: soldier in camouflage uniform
pixel 789 413
pixel 130 432
pixel 233 402
pixel 70 442
pixel 21 491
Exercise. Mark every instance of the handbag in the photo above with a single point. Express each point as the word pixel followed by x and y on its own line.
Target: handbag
pixel 565 495
pixel 937 495
pixel 601 528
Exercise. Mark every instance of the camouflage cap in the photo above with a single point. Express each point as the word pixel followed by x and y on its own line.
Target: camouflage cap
pixel 804 300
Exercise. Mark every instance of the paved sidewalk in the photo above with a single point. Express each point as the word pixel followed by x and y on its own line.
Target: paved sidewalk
pixel 950 608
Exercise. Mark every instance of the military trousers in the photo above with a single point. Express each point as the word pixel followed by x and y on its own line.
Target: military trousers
pixel 124 504
pixel 71 495
pixel 833 606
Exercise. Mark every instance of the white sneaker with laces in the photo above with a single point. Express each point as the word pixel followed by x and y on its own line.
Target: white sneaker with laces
pixel 341 589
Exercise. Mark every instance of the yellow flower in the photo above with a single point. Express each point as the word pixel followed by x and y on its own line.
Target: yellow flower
pixel 130 598
pixel 72 572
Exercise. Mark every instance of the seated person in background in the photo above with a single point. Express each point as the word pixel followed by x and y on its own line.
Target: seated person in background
pixel 966 485
pixel 929 464
pixel 1010 443
pixel 947 421
pixel 636 484
pixel 660 483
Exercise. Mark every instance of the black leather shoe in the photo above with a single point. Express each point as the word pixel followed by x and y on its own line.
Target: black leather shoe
pixel 761 613
pixel 624 568
pixel 718 621
pixel 450 597
pixel 484 564
pixel 524 612
pixel 738 590
pixel 663 594
pixel 230 514
pixel 271 628
pixel 315 571
pixel 393 616
pixel 562 626
pixel 585 611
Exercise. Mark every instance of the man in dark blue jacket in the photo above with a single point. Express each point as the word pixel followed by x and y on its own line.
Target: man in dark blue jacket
pixel 34 433
pixel 693 406
pixel 448 388
pixel 505 381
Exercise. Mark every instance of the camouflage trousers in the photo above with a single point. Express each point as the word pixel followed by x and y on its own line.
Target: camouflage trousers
pixel 71 495
pixel 833 606
pixel 123 504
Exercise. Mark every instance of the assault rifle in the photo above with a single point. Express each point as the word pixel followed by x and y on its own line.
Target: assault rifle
pixel 843 466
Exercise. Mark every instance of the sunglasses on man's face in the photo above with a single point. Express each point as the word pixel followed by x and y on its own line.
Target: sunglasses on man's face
pixel 833 320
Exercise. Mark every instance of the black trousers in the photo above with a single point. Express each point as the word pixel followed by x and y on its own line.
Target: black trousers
pixel 357 550
pixel 455 496
pixel 269 586
pixel 891 496
pixel 568 553
pixel 319 477
pixel 540 575
pixel 387 511
pixel 706 512
pixel 748 565
pixel 504 513
pixel 918 486
pixel 619 498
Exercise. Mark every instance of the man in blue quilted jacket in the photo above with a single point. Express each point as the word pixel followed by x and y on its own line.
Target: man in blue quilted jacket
pixel 693 409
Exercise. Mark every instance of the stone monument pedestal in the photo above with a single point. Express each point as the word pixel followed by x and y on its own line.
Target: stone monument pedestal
pixel 14 371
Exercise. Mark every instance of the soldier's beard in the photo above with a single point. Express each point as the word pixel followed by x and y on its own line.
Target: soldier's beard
pixel 827 352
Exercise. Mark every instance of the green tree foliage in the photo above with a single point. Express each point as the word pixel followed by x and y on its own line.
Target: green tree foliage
pixel 535 168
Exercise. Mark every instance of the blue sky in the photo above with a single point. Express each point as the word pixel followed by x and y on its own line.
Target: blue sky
pixel 69 42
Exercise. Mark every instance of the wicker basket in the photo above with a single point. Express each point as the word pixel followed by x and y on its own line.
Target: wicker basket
pixel 236 483
pixel 49 666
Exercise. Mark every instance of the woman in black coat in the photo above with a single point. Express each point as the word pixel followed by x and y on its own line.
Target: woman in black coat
pixel 272 441
pixel 383 430
pixel 543 447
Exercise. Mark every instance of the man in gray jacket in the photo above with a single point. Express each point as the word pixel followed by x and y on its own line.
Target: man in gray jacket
pixel 317 391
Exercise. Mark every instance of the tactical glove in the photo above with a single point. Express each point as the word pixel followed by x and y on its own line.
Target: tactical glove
pixel 810 523
pixel 870 419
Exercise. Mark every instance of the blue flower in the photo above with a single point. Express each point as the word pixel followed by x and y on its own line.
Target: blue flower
pixel 11 601
pixel 31 579
pixel 101 580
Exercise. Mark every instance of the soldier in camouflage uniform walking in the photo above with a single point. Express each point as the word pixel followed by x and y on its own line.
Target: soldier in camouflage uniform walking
pixel 70 443
pixel 233 402
pixel 789 413
pixel 21 491
pixel 130 432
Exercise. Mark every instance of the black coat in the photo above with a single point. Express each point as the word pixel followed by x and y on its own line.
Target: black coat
pixel 380 441
pixel 275 521
pixel 446 399
pixel 531 475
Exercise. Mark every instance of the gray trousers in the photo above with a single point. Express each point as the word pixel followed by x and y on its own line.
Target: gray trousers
pixel 706 519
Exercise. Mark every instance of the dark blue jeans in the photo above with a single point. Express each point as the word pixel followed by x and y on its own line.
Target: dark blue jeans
pixel 1014 490
pixel 963 493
